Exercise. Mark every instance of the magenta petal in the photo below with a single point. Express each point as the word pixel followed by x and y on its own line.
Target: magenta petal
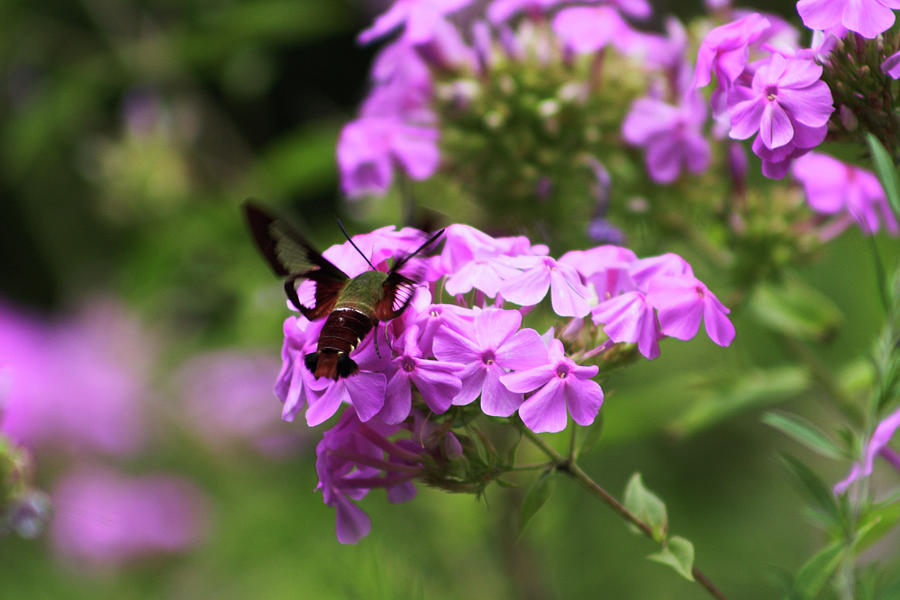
pixel 545 411
pixel 880 438
pixel 775 128
pixel 628 318
pixel 868 18
pixel 584 399
pixel 367 393
pixel 451 346
pixel 821 14
pixel 398 399
pixel 718 326
pixel 528 288
pixel 352 523
pixel 324 408
pixel 525 381
pixel 493 326
pixel 525 350
pixel 402 492
pixel 437 384
pixel 811 106
pixel 800 74
pixel 664 158
pixel 472 381
pixel 496 400
pixel 891 66
pixel 568 296
pixel 385 23
pixel 586 29
pixel 745 118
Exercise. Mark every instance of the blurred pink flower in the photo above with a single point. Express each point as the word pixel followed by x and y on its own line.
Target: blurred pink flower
pixel 876 446
pixel 104 518
pixel 229 397
pixel 76 384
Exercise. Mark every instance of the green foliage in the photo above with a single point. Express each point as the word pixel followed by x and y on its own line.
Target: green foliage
pixel 806 433
pixel 646 506
pixel 540 491
pixel 887 172
pixel 678 553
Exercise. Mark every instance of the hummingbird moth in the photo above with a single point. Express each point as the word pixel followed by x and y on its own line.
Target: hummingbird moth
pixel 352 305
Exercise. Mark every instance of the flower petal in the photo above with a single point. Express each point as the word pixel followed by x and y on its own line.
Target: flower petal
pixel 545 411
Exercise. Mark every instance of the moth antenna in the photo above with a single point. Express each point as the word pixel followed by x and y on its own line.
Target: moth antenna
pixel 427 243
pixel 346 235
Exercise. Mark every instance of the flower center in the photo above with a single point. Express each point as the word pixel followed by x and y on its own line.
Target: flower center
pixel 771 92
pixel 408 364
pixel 699 290
pixel 488 357
pixel 562 370
pixel 435 313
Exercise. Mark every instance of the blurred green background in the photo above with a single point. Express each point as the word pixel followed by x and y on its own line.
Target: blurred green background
pixel 131 131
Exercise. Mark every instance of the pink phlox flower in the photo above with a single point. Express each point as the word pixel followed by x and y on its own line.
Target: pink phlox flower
pixel 605 268
pixel 501 10
pixel 439 316
pixel 780 36
pixel 562 387
pixel 437 381
pixel 300 336
pixel 446 50
pixel 671 135
pixel 539 274
pixel 866 17
pixel 368 149
pixel 657 51
pixel 725 51
pixel 349 460
pixel 876 446
pixel 891 66
pixel 226 394
pixel 629 318
pixel 379 246
pixel 645 270
pixel 419 18
pixel 364 390
pixel 488 347
pixel 587 29
pixel 76 384
pixel 682 302
pixel 104 518
pixel 398 64
pixel 787 96
pixel 832 186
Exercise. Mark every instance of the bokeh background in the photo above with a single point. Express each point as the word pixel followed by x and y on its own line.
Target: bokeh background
pixel 129 134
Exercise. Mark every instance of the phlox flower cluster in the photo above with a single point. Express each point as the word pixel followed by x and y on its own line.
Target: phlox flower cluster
pixel 767 87
pixel 463 345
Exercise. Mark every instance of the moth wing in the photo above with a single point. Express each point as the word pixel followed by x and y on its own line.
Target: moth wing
pixel 398 293
pixel 291 256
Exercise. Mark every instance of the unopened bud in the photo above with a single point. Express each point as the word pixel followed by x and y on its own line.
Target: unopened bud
pixel 848 119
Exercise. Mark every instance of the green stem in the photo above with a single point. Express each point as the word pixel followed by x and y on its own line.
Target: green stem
pixel 571 469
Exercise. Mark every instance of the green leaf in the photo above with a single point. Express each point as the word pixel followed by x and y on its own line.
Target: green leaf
pixel 886 170
pixel 539 492
pixel 795 309
pixel 593 434
pixel 647 507
pixel 804 432
pixel 753 390
pixel 874 524
pixel 816 572
pixel 818 489
pixel 678 554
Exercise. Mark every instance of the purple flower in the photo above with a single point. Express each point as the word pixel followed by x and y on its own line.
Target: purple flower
pixel 436 381
pixel 891 66
pixel 420 18
pixel 787 103
pixel 300 338
pixel 682 302
pixel 104 518
pixel 563 387
pixel 501 10
pixel 76 384
pixel 629 318
pixel 368 148
pixel 671 135
pixel 725 50
pixel 832 186
pixel 587 29
pixel 349 460
pixel 488 346
pixel 877 446
pixel 604 267
pixel 540 274
pixel 866 17
pixel 227 395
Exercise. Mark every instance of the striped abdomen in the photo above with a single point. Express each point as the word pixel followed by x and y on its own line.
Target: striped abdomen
pixel 344 329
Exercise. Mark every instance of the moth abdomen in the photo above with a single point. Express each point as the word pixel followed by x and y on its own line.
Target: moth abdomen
pixel 344 329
